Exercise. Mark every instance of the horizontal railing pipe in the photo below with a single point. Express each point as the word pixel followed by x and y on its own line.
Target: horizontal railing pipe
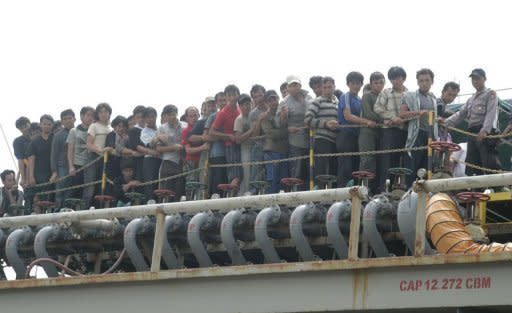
pixel 222 205
pixel 462 183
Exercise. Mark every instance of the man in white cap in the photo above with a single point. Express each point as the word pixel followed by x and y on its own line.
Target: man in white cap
pixel 291 113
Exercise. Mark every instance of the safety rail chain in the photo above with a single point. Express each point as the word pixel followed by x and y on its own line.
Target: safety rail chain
pixel 339 154
pixel 223 205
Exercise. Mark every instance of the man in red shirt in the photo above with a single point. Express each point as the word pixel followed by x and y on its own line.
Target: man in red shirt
pixel 223 128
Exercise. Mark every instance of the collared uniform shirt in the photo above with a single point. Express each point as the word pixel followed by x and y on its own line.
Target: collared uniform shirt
pixel 480 110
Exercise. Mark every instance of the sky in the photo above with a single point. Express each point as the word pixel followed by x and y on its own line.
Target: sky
pixel 56 55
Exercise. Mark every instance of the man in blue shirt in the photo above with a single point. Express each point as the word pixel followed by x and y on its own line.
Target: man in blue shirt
pixel 349 112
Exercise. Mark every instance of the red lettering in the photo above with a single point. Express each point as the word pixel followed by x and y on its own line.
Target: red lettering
pixel 418 285
pixel 458 284
pixel 403 283
pixel 486 282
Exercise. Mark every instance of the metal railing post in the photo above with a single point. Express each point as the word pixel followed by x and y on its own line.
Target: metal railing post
pixel 158 241
pixel 355 224
pixel 419 242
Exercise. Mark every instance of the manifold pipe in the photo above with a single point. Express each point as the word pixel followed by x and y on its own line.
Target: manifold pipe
pixel 130 243
pixel 297 233
pixel 265 217
pixel 17 237
pixel 194 239
pixel 228 237
pixel 105 225
pixel 446 229
pixel 406 218
pixel 370 226
pixel 222 205
pixel 333 228
pixel 42 237
pixel 168 255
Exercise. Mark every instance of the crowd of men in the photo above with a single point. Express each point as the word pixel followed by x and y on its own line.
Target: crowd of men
pixel 234 128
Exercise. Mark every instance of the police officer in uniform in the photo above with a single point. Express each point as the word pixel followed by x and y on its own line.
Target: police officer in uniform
pixel 481 113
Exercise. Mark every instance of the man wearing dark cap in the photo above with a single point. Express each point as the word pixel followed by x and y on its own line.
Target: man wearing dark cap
pixel 481 113
pixel 275 146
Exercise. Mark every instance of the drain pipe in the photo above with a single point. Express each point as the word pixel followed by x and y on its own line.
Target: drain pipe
pixel 46 233
pixel 333 227
pixel 230 220
pixel 371 211
pixel 406 218
pixel 267 216
pixel 194 238
pixel 130 243
pixel 172 223
pixel 302 213
pixel 17 237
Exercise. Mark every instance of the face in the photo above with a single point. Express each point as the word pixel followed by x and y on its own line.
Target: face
pixel 138 119
pixel 9 181
pixel 192 116
pixel 150 120
pixel 272 103
pixel 103 116
pixel 210 108
pixel 478 82
pixel 25 129
pixel 68 121
pixel 231 98
pixel 449 95
pixel 257 97
pixel 46 126
pixel 284 91
pixel 120 129
pixel 127 173
pixel 377 85
pixel 354 87
pixel 397 83
pixel 318 89
pixel 87 118
pixel 327 89
pixel 221 102
pixel 171 118
pixel 245 108
pixel 424 83
pixel 294 89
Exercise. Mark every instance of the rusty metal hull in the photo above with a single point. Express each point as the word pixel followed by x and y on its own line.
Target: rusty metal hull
pixel 447 281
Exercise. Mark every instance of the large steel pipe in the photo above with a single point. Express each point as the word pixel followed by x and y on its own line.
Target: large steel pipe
pixel 222 205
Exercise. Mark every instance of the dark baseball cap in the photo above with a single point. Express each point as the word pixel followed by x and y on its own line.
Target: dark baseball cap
pixel 271 93
pixel 477 72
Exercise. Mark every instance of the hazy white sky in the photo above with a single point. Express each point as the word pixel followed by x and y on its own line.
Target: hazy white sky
pixel 65 54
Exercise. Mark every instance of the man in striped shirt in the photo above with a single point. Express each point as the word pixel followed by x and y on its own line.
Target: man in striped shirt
pixel 322 116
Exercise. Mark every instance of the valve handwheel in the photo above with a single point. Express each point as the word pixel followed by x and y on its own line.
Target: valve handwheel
pixel 444 146
pixel 363 175
pixel 472 196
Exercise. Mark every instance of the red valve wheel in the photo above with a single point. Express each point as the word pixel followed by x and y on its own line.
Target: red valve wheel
pixel 363 175
pixel 292 181
pixel 472 196
pixel 104 198
pixel 162 193
pixel 444 146
pixel 44 204
pixel 227 187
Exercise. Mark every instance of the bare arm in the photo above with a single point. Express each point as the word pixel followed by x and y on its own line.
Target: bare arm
pixel 220 135
pixel 356 119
